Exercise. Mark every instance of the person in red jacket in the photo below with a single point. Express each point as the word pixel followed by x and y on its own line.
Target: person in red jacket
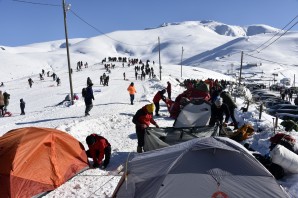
pixel 158 96
pixel 99 148
pixel 142 120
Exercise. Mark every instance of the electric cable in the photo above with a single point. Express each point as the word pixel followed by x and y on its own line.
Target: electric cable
pixel 276 34
pixel 30 2
pixel 105 33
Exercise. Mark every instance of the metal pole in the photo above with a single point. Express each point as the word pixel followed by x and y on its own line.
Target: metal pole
pixel 181 61
pixel 241 68
pixel 159 59
pixel 67 49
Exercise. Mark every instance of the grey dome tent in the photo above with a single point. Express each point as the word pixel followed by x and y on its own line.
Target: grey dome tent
pixel 194 114
pixel 202 167
pixel 190 123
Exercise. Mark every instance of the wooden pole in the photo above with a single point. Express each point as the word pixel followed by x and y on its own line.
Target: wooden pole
pixel 159 58
pixel 241 68
pixel 181 60
pixel 68 56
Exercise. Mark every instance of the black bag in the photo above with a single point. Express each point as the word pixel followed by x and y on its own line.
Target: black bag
pixel 276 170
pixel 84 92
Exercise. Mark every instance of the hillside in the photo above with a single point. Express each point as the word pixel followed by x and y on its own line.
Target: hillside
pixel 206 44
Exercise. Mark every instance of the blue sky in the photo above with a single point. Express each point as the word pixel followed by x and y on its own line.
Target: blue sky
pixel 25 23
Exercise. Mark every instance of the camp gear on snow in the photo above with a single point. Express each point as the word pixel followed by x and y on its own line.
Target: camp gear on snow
pixel 242 133
pixel 285 158
pixel 276 170
pixel 197 168
pixel 36 160
pixel 156 138
pixel 194 114
pixel 287 141
pixel 190 123
pixel 289 125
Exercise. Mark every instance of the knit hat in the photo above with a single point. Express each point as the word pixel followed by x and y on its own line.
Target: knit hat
pixel 90 140
pixel 218 101
pixel 150 108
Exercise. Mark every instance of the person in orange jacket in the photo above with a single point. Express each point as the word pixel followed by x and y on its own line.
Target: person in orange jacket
pixel 142 120
pixel 131 90
pixel 99 148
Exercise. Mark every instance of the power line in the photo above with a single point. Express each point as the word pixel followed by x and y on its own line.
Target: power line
pixel 276 34
pixel 269 60
pixel 103 32
pixel 278 37
pixel 30 2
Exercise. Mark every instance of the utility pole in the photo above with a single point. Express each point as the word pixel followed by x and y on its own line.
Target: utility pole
pixel 181 60
pixel 67 49
pixel 241 68
pixel 159 59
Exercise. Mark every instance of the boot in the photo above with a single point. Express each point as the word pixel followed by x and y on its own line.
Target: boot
pixel 139 149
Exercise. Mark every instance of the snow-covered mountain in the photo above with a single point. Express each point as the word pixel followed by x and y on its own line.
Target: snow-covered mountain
pixel 207 44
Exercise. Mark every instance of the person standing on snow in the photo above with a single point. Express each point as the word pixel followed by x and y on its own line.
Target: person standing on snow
pixel 169 90
pixel 142 120
pixel 158 96
pixel 131 90
pixel 30 81
pixel 1 104
pixel 22 106
pixel 6 100
pixel 99 148
pixel 88 99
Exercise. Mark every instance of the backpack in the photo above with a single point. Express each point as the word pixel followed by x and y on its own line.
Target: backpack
pixel 242 133
pixel 84 92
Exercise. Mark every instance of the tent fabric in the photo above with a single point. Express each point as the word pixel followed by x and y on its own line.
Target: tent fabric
pixel 156 138
pixel 200 167
pixel 36 160
pixel 194 114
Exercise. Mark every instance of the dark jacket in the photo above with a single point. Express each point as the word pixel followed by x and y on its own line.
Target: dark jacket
pixel 22 104
pixel 227 99
pixel 218 113
pixel 169 87
pixel 89 95
pixel 6 98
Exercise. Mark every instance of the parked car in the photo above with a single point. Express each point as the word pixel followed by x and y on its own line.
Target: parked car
pixel 287 116
pixel 272 102
pixel 291 110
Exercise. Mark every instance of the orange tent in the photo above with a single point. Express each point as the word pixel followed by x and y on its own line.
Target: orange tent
pixel 35 160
